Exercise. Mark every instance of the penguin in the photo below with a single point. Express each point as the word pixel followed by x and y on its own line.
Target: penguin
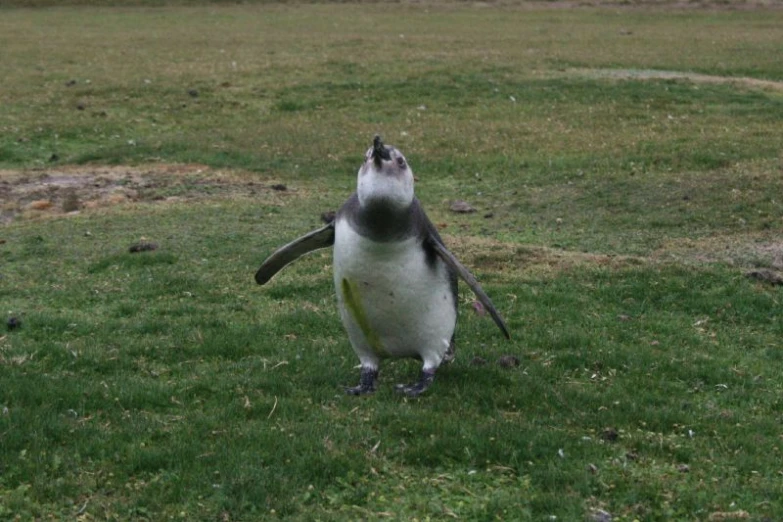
pixel 395 280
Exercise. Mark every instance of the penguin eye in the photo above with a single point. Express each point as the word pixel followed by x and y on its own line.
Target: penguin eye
pixel 401 162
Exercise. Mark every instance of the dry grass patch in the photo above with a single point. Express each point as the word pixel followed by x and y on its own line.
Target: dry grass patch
pixel 653 74
pixel 482 254
pixel 740 250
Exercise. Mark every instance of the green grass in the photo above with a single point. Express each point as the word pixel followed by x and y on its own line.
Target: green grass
pixel 617 213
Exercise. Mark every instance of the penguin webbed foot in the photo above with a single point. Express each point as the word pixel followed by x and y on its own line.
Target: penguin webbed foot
pixel 414 390
pixel 367 381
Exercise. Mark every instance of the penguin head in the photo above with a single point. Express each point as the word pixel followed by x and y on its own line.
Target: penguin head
pixel 385 178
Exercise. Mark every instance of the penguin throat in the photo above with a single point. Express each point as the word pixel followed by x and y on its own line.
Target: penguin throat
pixel 384 221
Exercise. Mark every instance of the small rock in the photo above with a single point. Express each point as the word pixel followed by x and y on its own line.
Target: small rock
pixel 461 207
pixel 684 468
pixel 142 246
pixel 610 434
pixel 70 83
pixel 193 93
pixel 478 361
pixel 599 515
pixel 592 468
pixel 13 323
pixel 508 361
pixel 279 187
pixel 328 216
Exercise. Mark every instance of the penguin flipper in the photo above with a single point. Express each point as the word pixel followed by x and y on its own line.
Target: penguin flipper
pixel 321 238
pixel 474 285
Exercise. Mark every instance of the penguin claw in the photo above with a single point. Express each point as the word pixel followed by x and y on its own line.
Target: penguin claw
pixel 359 390
pixel 366 383
pixel 414 390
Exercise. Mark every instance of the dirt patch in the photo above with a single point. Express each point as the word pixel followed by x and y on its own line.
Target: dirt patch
pixel 653 74
pixel 64 190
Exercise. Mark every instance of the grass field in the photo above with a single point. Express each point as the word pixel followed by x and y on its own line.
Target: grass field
pixel 625 163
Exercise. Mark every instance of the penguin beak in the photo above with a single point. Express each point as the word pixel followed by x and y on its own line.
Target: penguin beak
pixel 379 151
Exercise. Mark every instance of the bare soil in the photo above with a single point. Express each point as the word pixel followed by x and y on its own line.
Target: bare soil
pixel 63 190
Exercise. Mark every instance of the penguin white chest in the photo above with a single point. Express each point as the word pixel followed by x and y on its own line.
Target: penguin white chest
pixel 393 301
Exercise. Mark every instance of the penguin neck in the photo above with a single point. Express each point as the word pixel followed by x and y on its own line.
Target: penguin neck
pixel 384 221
